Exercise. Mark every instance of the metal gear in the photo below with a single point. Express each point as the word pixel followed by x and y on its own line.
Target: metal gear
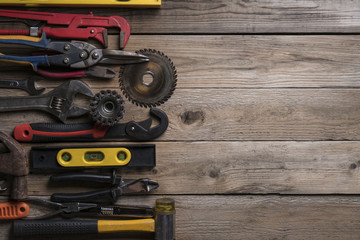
pixel 151 83
pixel 107 108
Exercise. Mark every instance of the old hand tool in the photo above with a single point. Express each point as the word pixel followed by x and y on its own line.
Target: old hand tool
pixel 74 54
pixel 83 3
pixel 79 209
pixel 107 108
pixel 78 26
pixel 26 84
pixel 15 163
pixel 119 186
pixel 58 102
pixel 60 158
pixel 162 225
pixel 151 83
pixel 13 210
pixel 44 132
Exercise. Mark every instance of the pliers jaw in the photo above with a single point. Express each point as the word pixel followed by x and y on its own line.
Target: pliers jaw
pixel 130 186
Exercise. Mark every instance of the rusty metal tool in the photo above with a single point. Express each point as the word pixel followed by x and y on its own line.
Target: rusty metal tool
pixel 70 26
pixel 150 83
pixel 27 85
pixel 55 132
pixel 58 102
pixel 119 186
pixel 162 225
pixel 69 55
pixel 15 163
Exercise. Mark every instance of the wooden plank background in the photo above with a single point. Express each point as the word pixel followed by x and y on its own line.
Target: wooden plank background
pixel 263 141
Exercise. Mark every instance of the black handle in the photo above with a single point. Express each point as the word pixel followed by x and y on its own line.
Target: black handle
pixel 107 195
pixel 23 228
pixel 85 177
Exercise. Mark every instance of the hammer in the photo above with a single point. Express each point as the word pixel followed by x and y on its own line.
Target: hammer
pixel 15 163
pixel 163 224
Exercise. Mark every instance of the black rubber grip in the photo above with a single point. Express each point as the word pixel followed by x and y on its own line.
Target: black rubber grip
pixel 85 177
pixel 44 139
pixel 60 127
pixel 65 129
pixel 107 195
pixel 24 228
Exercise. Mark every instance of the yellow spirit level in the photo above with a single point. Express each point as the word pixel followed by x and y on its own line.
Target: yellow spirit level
pixel 82 3
pixel 93 157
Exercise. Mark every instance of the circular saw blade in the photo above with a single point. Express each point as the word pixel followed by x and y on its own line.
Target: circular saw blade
pixel 151 83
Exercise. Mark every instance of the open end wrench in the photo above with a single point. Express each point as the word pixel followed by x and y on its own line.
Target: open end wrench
pixel 27 85
pixel 57 102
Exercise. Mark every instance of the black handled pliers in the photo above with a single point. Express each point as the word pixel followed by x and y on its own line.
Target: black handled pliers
pixel 79 209
pixel 119 186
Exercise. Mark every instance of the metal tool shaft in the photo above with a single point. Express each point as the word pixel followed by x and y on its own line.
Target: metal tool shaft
pixel 27 85
pixel 8 104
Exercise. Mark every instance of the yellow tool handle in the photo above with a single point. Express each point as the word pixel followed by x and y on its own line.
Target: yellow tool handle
pixel 143 225
pixel 82 3
pixel 21 37
pixel 93 157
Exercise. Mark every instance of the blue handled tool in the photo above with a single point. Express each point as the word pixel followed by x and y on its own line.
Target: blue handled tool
pixel 74 54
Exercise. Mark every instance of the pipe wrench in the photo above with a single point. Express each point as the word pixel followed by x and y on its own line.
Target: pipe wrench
pixel 78 26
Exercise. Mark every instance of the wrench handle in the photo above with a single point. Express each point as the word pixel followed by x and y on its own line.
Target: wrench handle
pixel 10 84
pixel 46 132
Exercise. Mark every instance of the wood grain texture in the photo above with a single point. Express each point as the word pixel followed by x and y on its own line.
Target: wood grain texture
pixel 227 61
pixel 255 217
pixel 239 168
pixel 242 114
pixel 260 111
pixel 234 16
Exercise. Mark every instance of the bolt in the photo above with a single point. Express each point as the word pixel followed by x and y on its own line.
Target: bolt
pixel 92 31
pixel 95 55
pixel 67 47
pixel 66 60
pixel 132 128
pixel 82 54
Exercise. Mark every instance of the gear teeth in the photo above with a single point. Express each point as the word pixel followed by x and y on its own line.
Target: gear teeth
pixel 145 104
pixel 107 115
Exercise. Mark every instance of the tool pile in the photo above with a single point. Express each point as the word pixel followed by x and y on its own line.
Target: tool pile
pixel 80 164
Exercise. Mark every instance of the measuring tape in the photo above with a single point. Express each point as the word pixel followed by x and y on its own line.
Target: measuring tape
pixel 81 3
pixel 93 157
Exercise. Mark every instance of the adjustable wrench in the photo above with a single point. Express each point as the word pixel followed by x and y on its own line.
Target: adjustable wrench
pixel 27 85
pixel 57 102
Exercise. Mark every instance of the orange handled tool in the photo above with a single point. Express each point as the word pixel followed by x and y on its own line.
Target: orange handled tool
pixel 13 210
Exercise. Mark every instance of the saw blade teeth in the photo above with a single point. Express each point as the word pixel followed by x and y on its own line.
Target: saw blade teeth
pixel 134 95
